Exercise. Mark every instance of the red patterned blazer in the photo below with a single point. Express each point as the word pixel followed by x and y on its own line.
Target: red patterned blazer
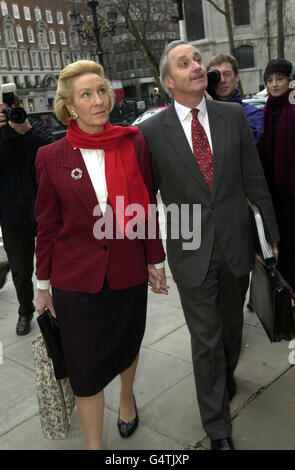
pixel 67 252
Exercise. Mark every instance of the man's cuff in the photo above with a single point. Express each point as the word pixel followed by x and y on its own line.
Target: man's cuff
pixel 160 265
pixel 43 285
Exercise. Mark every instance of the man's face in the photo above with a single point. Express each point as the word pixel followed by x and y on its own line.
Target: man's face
pixel 226 88
pixel 187 76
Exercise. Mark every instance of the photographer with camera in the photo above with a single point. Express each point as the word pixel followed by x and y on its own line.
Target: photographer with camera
pixel 225 89
pixel 20 138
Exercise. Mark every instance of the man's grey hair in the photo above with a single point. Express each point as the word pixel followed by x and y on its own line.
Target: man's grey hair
pixel 164 62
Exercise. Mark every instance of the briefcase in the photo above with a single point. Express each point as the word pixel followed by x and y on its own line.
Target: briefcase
pixel 273 301
pixel 50 332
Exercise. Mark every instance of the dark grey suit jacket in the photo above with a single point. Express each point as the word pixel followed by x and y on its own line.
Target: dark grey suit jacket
pixel 238 175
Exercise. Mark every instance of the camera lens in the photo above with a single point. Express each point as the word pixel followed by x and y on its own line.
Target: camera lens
pixel 17 115
pixel 213 77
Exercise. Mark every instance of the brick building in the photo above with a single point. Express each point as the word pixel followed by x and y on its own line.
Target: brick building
pixel 36 41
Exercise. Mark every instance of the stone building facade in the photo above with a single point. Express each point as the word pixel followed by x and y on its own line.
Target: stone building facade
pixel 206 28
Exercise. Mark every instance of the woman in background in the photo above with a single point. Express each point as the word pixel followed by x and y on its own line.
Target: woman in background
pixel 277 151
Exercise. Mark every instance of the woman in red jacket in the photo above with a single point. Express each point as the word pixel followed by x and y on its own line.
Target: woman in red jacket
pixel 86 247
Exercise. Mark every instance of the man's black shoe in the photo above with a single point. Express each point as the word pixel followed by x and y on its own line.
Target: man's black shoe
pixel 4 270
pixel 23 326
pixel 222 444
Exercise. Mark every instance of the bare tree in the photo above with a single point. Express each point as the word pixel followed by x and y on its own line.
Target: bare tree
pixel 148 21
pixel 280 29
pixel 226 12
pixel 268 26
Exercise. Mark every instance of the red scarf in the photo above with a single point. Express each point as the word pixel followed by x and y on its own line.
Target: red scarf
pixel 123 176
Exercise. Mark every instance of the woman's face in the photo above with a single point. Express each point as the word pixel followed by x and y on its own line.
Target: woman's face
pixel 277 84
pixel 91 102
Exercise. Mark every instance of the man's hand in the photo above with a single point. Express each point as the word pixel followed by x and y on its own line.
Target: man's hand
pixel 44 301
pixel 21 129
pixel 157 280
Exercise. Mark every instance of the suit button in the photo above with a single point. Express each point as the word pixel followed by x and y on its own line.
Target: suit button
pixel 105 247
pixel 212 208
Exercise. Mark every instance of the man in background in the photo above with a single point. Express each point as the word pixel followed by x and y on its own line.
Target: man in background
pixel 227 90
pixel 19 143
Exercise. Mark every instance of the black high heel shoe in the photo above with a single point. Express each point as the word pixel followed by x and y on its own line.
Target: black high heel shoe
pixel 127 429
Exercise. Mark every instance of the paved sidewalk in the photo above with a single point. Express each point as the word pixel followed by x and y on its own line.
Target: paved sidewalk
pixel 263 409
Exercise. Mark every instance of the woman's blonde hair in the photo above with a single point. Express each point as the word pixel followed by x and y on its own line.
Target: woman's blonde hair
pixel 64 92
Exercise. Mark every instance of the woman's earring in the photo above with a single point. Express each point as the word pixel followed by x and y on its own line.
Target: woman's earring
pixel 74 115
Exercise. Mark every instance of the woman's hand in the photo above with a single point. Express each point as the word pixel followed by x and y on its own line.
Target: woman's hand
pixel 157 280
pixel 44 301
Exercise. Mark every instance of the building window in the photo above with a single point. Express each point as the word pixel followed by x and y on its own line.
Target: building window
pixel 48 16
pixel 241 12
pixel 45 59
pixel 19 34
pixel 24 59
pixel 2 59
pixel 31 104
pixel 245 57
pixel 55 59
pixel 38 15
pixel 194 20
pixel 9 34
pixel 42 38
pixel 27 13
pixel 4 9
pixel 62 37
pixel 52 37
pixel 13 59
pixel 59 17
pixel 34 58
pixel 15 11
pixel 30 34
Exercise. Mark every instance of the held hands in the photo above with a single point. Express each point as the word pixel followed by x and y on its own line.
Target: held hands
pixel 44 301
pixel 157 280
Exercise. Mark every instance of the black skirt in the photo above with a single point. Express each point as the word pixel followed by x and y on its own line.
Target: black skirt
pixel 101 334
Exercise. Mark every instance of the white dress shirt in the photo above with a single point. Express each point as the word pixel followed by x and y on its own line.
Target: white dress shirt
pixel 95 163
pixel 185 117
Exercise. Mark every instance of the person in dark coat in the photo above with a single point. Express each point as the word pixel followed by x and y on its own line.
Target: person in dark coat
pixel 277 152
pixel 98 275
pixel 226 90
pixel 18 186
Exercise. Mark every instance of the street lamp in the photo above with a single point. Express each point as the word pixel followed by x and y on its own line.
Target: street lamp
pixel 96 29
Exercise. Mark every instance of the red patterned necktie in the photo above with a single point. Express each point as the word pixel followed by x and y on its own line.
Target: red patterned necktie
pixel 202 148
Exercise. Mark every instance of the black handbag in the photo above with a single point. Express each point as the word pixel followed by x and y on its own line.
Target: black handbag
pixel 50 332
pixel 273 302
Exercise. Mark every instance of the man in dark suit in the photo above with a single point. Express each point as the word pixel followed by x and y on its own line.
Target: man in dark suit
pixel 208 158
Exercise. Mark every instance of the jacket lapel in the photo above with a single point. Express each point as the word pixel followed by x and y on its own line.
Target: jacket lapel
pixel 77 177
pixel 181 146
pixel 218 136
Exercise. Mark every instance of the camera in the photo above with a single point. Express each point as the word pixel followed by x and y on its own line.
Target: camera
pixel 214 77
pixel 15 114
